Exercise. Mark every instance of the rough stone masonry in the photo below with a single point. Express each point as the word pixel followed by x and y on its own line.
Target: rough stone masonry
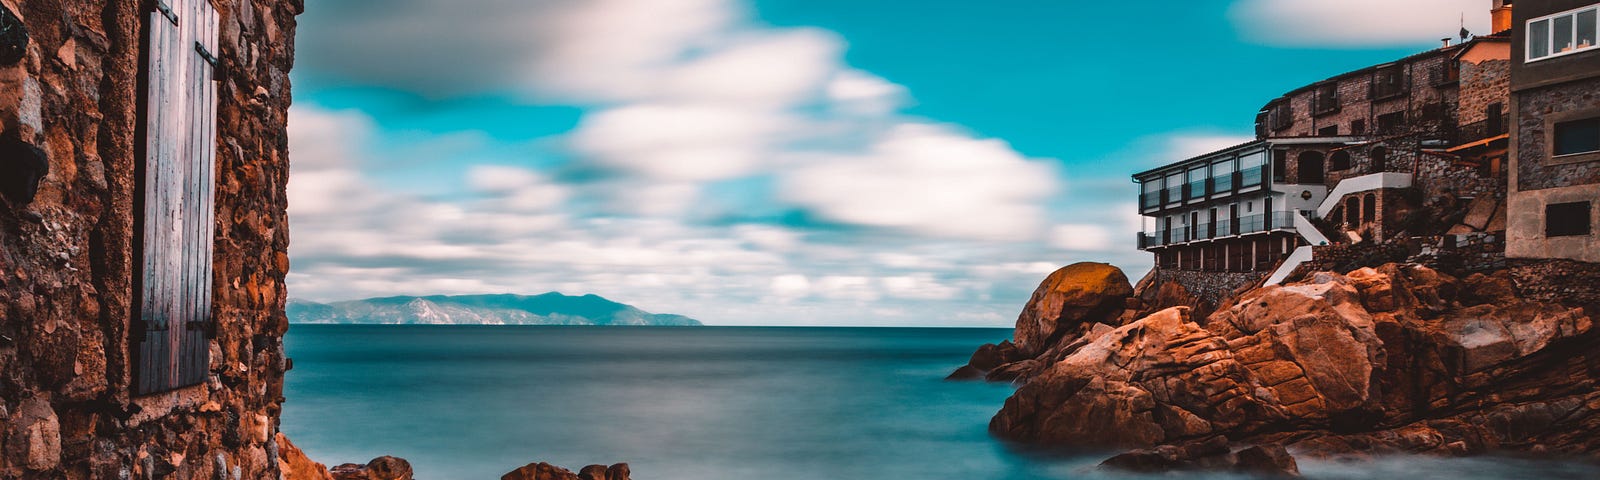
pixel 67 253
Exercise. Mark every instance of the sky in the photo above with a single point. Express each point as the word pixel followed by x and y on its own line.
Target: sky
pixel 777 162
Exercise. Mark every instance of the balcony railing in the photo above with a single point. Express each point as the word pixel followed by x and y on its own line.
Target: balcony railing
pixel 1150 199
pixel 1249 177
pixel 1222 183
pixel 1223 228
pixel 1476 131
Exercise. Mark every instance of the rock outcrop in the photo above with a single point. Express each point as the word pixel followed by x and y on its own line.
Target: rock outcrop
pixel 1069 303
pixel 295 464
pixel 1398 358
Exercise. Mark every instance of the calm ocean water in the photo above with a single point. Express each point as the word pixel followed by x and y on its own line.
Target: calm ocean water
pixel 464 402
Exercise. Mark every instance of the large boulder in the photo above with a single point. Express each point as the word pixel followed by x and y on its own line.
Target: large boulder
pixel 1075 294
pixel 1397 358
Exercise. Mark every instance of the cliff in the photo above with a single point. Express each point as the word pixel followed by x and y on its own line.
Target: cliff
pixel 545 309
pixel 1398 358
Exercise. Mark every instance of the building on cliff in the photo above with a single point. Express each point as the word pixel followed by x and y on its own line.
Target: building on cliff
pixel 1412 148
pixel 143 237
pixel 1555 165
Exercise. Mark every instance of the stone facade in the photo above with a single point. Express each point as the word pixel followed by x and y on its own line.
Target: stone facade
pixel 1536 170
pixel 1545 92
pixel 66 256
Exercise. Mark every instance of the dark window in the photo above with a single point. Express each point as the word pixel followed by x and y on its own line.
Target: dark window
pixel 1369 208
pixel 1351 206
pixel 1310 168
pixel 1577 136
pixel 1566 219
pixel 1281 115
pixel 1444 74
pixel 1388 82
pixel 1327 99
pixel 1380 159
pixel 1340 160
pixel 1330 131
pixel 1280 165
pixel 1494 117
pixel 1358 127
pixel 1391 123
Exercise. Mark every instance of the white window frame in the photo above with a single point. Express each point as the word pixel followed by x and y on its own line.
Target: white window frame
pixel 1551 32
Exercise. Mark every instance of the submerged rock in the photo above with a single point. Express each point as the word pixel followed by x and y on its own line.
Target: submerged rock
pixel 381 468
pixel 545 471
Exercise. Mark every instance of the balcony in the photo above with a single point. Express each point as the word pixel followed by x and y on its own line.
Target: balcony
pixel 1223 228
pixel 1151 200
pixel 1249 177
pixel 1478 131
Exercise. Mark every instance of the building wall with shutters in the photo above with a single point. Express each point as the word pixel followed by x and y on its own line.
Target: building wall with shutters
pixel 141 286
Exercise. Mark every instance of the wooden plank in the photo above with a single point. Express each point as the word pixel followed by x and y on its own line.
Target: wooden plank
pixel 179 195
pixel 154 347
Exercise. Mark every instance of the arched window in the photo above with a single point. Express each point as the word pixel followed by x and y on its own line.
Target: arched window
pixel 1310 165
pixel 1380 159
pixel 1351 206
pixel 1340 160
pixel 1369 208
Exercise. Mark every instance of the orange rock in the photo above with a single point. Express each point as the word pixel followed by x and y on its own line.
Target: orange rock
pixel 296 466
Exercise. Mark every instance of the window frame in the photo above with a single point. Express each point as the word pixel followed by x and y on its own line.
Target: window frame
pixel 1550 122
pixel 1587 219
pixel 1550 32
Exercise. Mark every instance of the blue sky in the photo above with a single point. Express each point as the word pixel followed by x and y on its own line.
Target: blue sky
pixel 776 162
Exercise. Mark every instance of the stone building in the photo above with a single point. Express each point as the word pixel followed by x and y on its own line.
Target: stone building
pixel 143 237
pixel 1368 156
pixel 1555 163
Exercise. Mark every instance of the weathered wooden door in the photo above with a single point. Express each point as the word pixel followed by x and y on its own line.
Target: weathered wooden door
pixel 177 190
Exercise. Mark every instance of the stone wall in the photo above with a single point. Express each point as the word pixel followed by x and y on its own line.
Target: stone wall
pixel 66 269
pixel 1535 110
pixel 1484 83
pixel 1357 103
pixel 1564 281
pixel 1210 288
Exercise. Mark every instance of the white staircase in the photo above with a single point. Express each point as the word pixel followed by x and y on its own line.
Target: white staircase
pixel 1299 256
pixel 1374 181
pixel 1313 236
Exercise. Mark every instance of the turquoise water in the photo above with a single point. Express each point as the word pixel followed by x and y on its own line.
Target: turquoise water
pixel 464 402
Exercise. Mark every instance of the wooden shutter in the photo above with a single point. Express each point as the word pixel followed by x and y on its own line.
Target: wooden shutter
pixel 178 197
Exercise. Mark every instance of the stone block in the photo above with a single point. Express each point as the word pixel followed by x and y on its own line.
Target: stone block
pixel 1480 211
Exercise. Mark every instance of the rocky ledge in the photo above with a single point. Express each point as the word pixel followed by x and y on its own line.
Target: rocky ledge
pixel 1398 358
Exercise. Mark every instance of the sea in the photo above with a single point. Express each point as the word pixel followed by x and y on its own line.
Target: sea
pixel 681 403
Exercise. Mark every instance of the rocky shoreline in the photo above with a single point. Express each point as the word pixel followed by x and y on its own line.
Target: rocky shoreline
pixel 1394 359
pixel 296 466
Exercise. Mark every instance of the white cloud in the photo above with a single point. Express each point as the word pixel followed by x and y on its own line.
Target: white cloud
pixel 1082 238
pixel 680 142
pixel 861 93
pixel 928 179
pixel 1356 23
pixel 678 95
pixel 1185 146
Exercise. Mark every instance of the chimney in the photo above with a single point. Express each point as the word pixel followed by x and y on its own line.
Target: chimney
pixel 1500 16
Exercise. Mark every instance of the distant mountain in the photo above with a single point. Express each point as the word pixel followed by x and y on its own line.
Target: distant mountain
pixel 547 309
